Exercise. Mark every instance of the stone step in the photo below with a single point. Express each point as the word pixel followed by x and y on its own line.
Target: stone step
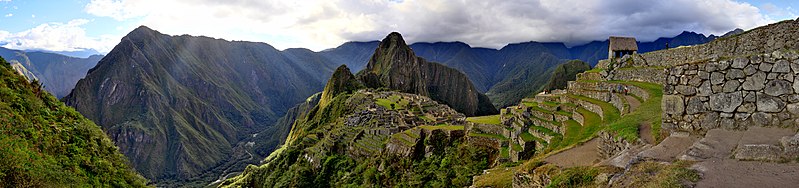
pixel 543 133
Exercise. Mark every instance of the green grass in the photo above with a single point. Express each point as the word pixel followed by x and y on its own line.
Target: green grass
pixel 516 147
pixel 425 118
pixel 610 112
pixel 527 137
pixel 550 103
pixel 649 111
pixel 504 152
pixel 486 135
pixel 443 127
pixel 492 120
pixel 395 100
pixel 544 130
pixel 595 70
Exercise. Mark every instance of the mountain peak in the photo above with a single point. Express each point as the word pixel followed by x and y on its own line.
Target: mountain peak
pixel 393 39
pixel 342 81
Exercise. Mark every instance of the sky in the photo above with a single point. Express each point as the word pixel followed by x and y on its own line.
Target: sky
pixel 77 25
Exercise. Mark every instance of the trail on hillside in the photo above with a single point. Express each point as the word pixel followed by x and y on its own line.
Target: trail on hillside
pixel 585 154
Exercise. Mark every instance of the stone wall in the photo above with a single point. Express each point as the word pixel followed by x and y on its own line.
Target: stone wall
pixel 761 40
pixel 733 93
pixel 640 74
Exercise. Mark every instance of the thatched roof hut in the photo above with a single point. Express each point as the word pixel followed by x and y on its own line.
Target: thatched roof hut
pixel 620 46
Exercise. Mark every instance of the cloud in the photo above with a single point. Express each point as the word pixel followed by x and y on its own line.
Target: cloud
pixel 320 24
pixel 57 37
pixel 119 10
pixel 9 15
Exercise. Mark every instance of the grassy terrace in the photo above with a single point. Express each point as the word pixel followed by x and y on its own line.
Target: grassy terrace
pixel 626 127
pixel 610 112
pixel 395 100
pixel 442 126
pixel 486 135
pixel 492 119
pixel 649 111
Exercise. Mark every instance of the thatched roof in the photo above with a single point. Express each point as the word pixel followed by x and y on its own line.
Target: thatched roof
pixel 623 43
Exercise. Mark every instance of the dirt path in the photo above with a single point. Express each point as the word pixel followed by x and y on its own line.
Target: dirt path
pixel 586 154
pixel 645 132
pixel 633 102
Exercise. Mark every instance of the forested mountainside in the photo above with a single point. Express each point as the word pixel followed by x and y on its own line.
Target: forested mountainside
pixel 44 143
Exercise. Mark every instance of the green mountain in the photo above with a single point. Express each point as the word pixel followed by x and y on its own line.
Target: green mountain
pixel 395 66
pixel 58 73
pixel 182 108
pixel 566 72
pixel 44 143
pixel 372 138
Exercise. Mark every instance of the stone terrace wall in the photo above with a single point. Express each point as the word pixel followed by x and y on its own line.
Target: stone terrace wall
pixel 757 90
pixel 761 40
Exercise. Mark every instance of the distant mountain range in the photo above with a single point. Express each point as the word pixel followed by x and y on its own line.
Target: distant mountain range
pixel 181 106
pixel 58 73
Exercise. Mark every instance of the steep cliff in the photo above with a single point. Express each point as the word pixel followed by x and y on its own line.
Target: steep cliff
pixel 395 66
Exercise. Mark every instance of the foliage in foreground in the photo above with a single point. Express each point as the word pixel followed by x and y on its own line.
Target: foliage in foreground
pixel 44 143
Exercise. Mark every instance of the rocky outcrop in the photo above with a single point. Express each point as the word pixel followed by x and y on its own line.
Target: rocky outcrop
pixel 395 66
pixel 342 81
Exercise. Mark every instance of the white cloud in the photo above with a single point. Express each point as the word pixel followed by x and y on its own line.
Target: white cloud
pixel 117 9
pixel 319 24
pixel 9 15
pixel 57 37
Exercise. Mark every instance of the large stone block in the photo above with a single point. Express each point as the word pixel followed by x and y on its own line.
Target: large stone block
pixel 725 102
pixel 730 86
pixel 673 104
pixel 735 74
pixel 740 63
pixel 781 66
pixel 767 103
pixel 685 90
pixel 695 106
pixel 716 78
pixel 778 87
pixel 756 82
pixel 762 152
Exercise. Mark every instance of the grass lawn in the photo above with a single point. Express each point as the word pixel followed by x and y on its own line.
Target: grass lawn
pixel 492 119
pixel 444 127
pixel 395 100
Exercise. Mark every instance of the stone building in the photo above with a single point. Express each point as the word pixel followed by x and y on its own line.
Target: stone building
pixel 620 46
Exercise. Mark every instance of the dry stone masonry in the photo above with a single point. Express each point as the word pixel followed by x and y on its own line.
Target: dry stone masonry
pixel 733 93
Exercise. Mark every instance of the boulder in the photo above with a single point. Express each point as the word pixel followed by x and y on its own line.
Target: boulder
pixel 726 102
